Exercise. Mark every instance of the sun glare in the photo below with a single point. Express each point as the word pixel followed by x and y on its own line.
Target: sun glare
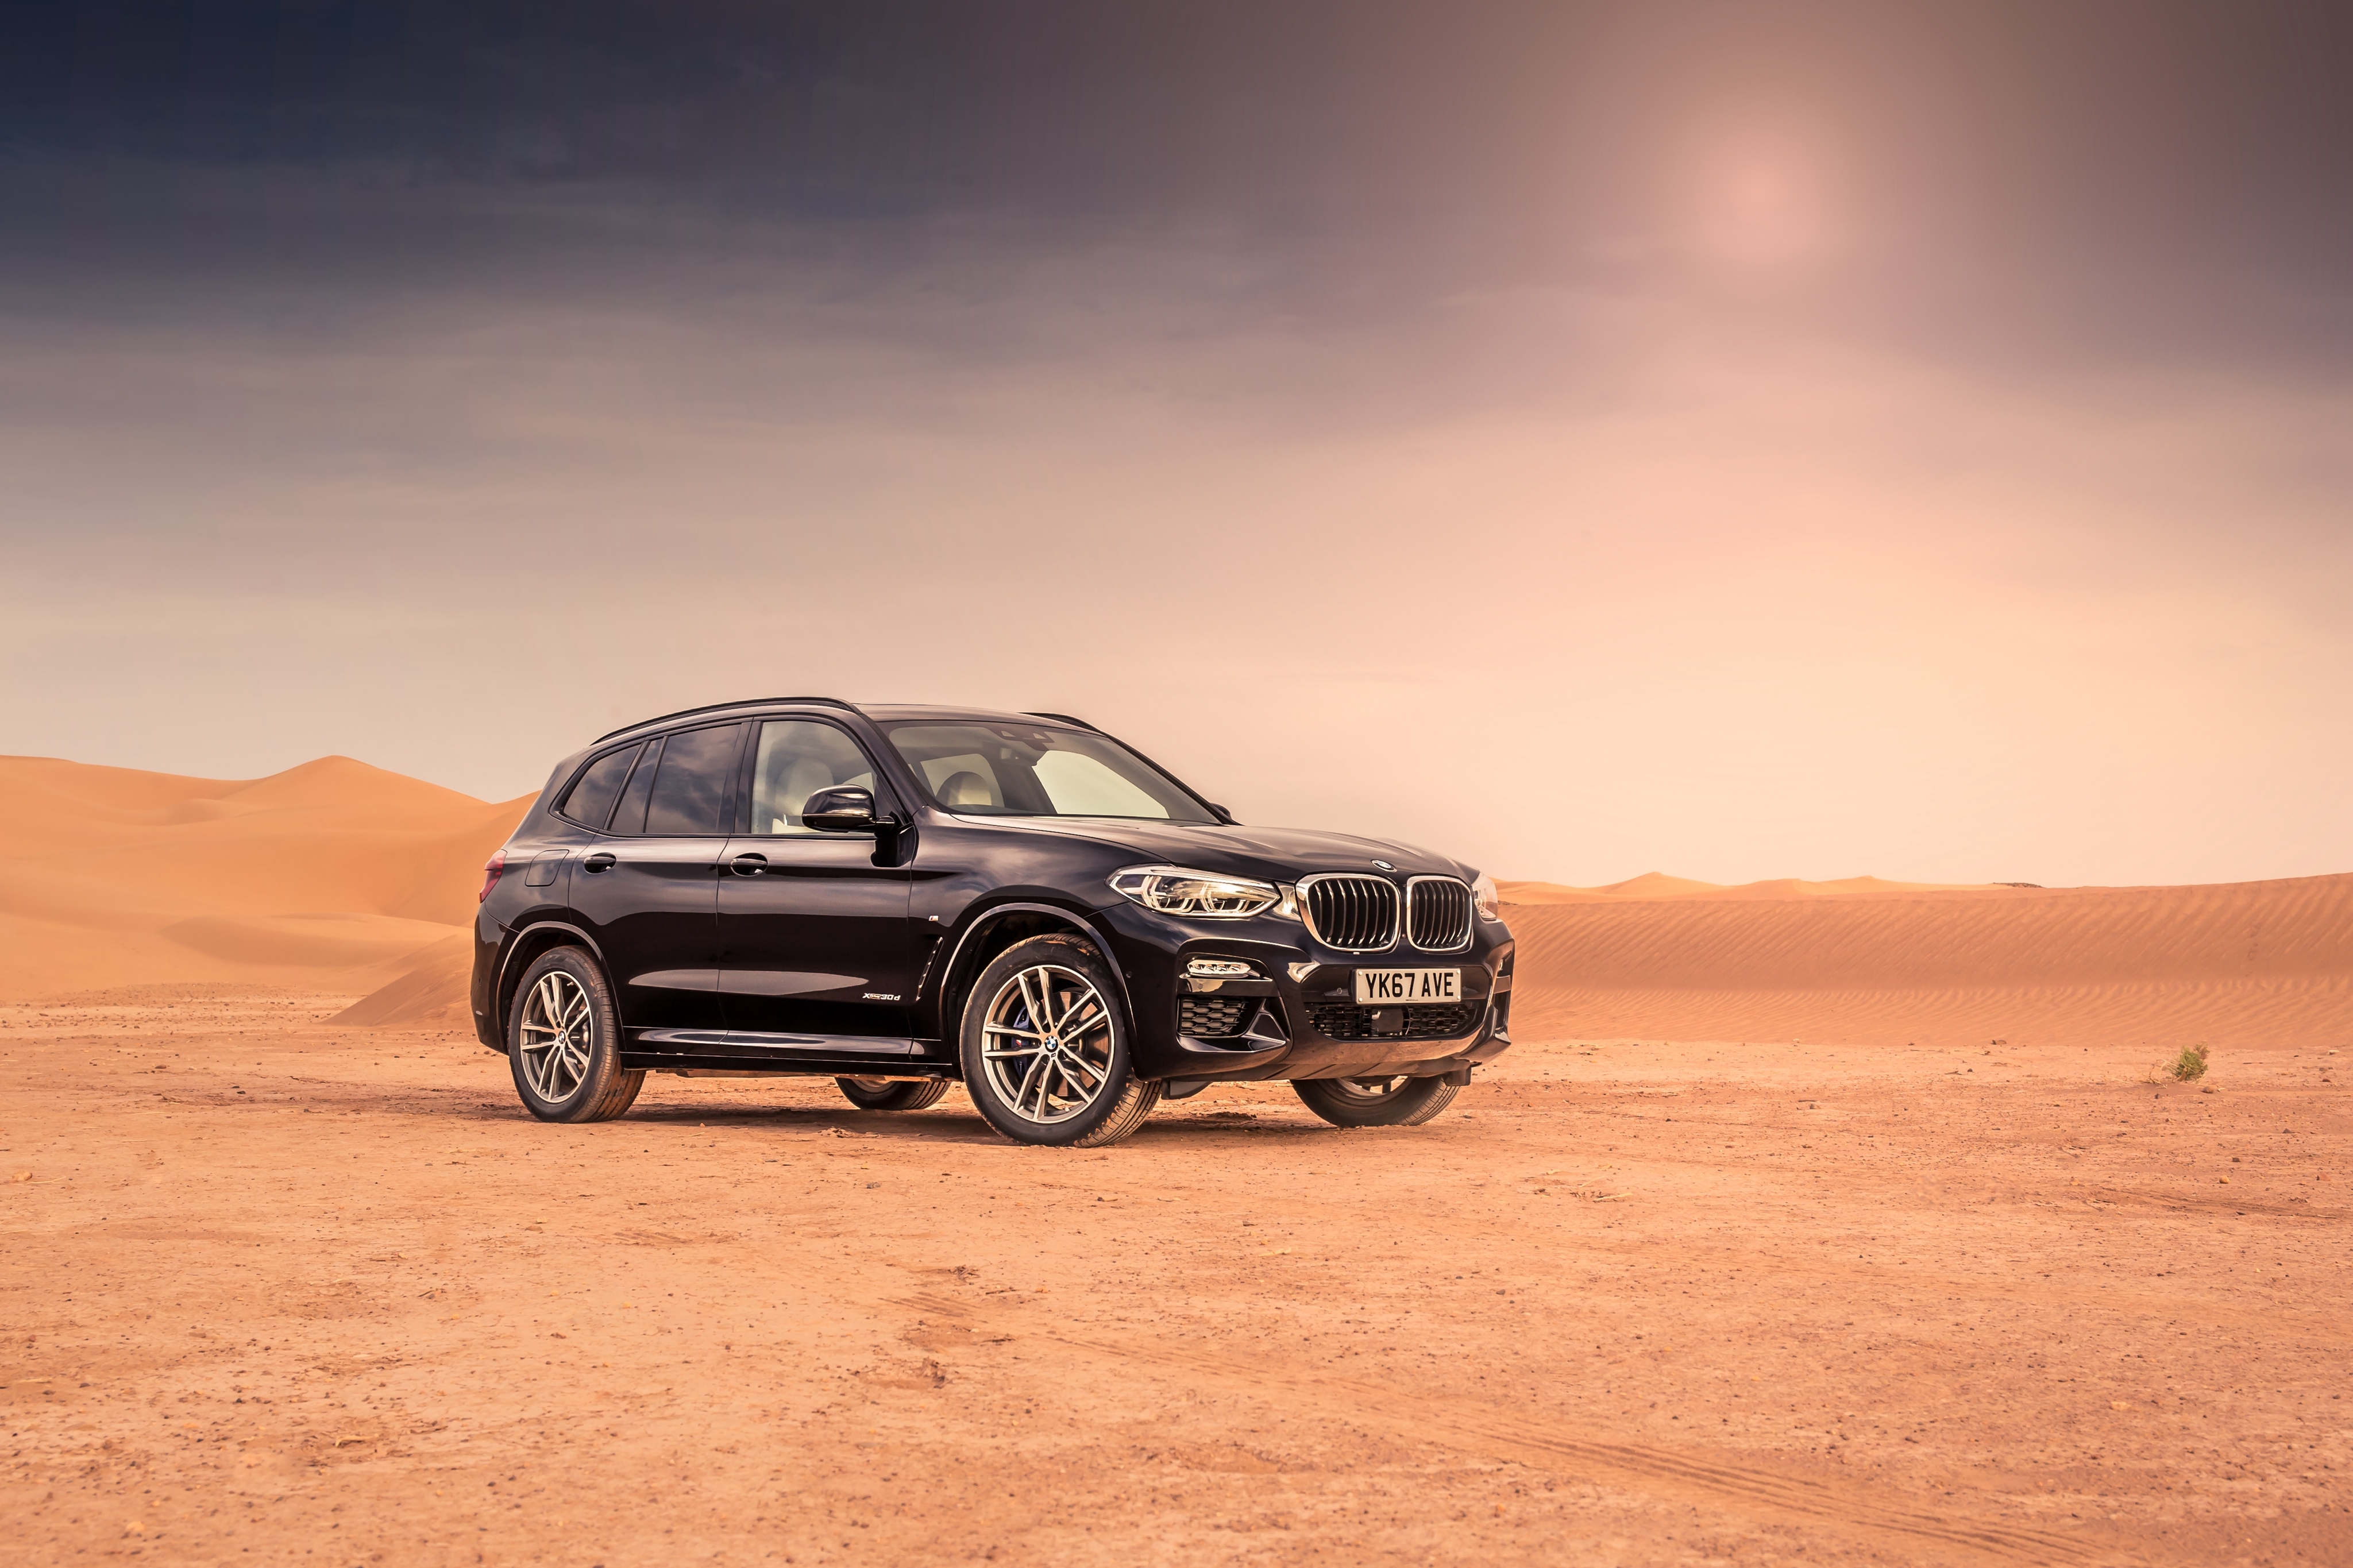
pixel 1763 202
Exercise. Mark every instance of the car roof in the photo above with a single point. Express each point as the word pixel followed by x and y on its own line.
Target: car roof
pixel 888 713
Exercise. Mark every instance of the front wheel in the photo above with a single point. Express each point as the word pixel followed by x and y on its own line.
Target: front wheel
pixel 1045 1047
pixel 882 1094
pixel 564 1041
pixel 1376 1102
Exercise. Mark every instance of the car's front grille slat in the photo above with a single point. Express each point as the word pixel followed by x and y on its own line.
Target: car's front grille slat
pixel 1353 914
pixel 1364 914
pixel 1439 912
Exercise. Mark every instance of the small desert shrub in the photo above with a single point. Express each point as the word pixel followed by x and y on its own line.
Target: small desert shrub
pixel 2190 1064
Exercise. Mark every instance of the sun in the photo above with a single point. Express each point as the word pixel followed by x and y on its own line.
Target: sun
pixel 1765 200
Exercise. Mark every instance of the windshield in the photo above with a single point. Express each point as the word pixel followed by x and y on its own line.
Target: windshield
pixel 1008 770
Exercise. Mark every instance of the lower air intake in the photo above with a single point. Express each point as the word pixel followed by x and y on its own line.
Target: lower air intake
pixel 1210 1017
pixel 1341 1021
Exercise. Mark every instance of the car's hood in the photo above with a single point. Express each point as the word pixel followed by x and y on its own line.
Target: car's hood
pixel 1270 853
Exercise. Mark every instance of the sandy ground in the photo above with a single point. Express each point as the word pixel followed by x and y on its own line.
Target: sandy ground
pixel 280 1292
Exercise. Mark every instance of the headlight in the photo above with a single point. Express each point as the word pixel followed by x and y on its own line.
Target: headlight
pixel 1490 901
pixel 1202 895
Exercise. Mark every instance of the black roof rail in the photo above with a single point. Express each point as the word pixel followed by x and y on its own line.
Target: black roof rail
pixel 717 706
pixel 1062 719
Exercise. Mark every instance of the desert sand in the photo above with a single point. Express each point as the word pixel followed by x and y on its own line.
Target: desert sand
pixel 285 1289
pixel 1835 1224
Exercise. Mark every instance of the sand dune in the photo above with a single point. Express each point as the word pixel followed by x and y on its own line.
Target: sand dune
pixel 2238 962
pixel 339 877
pixel 331 876
pixel 431 993
pixel 1656 885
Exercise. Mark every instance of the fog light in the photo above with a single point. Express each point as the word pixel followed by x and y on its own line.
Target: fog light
pixel 1219 969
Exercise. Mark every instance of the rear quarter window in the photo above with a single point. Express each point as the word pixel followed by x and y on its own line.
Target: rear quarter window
pixel 589 801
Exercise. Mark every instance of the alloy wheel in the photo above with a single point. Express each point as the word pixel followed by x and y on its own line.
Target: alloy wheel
pixel 1369 1088
pixel 1046 1043
pixel 559 1027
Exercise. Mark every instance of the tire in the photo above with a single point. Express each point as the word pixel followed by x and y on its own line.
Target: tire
pixel 560 1075
pixel 1376 1102
pixel 1072 1085
pixel 881 1094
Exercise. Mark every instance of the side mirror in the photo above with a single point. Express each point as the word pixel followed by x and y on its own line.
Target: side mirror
pixel 840 810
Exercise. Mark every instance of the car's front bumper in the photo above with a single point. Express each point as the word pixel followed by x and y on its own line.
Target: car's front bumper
pixel 1300 1018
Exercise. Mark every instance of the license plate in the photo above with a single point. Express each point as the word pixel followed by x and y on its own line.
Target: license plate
pixel 1387 987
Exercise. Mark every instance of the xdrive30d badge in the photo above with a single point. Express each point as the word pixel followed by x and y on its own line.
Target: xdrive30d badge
pixel 902 898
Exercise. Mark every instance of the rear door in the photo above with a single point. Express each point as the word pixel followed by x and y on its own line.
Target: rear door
pixel 649 887
pixel 812 925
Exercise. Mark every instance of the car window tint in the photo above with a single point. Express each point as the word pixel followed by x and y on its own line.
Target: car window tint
pixel 630 817
pixel 797 758
pixel 692 786
pixel 589 801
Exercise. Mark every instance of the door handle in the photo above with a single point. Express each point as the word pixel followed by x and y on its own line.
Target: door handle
pixel 603 860
pixel 750 865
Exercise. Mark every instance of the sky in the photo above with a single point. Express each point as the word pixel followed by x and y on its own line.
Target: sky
pixel 1740 441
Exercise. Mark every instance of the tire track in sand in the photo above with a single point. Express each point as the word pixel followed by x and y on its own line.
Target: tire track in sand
pixel 1778 1495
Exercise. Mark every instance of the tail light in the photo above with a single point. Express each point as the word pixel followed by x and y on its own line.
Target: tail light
pixel 491 869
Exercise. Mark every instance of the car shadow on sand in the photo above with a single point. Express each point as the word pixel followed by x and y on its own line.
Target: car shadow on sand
pixel 948 1126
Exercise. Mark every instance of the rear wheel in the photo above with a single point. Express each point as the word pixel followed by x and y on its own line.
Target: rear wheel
pixel 564 1041
pixel 1376 1102
pixel 883 1094
pixel 1045 1047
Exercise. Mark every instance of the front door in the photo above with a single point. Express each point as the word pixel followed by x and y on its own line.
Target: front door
pixel 812 931
pixel 648 888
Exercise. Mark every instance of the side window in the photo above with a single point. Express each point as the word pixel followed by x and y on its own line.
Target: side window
pixel 694 783
pixel 796 759
pixel 631 816
pixel 589 801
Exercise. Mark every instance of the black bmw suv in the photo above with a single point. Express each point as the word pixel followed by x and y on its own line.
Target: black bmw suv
pixel 902 897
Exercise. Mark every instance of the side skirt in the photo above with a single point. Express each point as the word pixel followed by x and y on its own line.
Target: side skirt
pixel 754 1043
pixel 801 1067
pixel 742 1052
